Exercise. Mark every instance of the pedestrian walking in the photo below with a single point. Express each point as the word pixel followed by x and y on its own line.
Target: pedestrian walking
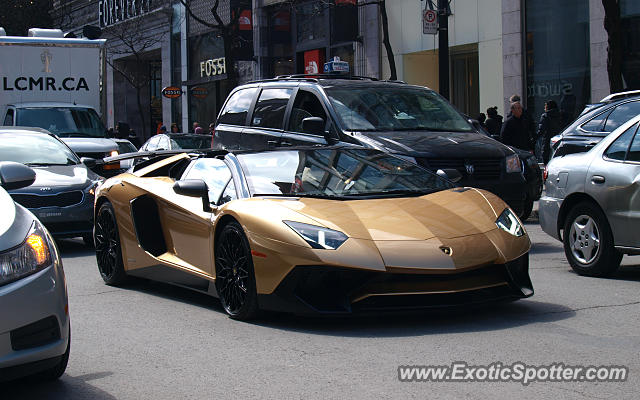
pixel 549 126
pixel 528 121
pixel 514 130
pixel 493 123
pixel 174 128
pixel 196 125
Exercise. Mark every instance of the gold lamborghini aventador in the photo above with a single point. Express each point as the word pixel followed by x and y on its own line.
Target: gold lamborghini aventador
pixel 325 230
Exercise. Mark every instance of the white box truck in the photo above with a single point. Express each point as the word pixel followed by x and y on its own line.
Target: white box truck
pixel 53 82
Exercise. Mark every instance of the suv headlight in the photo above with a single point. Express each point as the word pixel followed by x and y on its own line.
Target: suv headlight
pixel 508 222
pixel 513 163
pixel 31 256
pixel 317 236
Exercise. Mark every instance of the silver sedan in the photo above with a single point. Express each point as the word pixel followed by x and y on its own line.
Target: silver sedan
pixel 592 202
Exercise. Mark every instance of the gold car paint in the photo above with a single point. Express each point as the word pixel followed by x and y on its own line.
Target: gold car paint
pixel 378 231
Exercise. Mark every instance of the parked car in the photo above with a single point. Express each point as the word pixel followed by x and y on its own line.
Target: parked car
pixel 34 313
pixel 62 195
pixel 329 230
pixel 175 141
pixel 591 202
pixel 596 122
pixel 394 117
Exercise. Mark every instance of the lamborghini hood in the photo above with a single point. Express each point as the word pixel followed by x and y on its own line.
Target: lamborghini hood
pixel 448 214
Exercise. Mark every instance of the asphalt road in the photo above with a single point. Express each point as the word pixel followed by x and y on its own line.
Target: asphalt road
pixel 154 341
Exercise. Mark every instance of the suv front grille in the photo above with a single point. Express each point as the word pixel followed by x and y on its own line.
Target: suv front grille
pixel 483 169
pixel 65 199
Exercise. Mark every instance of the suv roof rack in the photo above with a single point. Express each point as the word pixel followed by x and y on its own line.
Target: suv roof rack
pixel 325 76
pixel 620 95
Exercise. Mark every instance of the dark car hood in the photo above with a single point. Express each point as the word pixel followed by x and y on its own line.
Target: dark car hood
pixel 425 144
pixel 60 178
pixel 90 145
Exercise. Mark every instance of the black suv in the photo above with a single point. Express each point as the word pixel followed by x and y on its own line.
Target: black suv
pixel 395 117
pixel 596 121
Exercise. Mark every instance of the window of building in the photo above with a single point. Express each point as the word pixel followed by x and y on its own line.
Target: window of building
pixel 557 56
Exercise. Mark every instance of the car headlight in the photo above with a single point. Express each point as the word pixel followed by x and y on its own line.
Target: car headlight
pixel 317 236
pixel 508 222
pixel 113 153
pixel 94 186
pixel 513 163
pixel 31 256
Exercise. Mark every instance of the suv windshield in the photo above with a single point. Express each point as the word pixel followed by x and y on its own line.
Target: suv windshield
pixel 387 108
pixel 337 173
pixel 35 150
pixel 63 121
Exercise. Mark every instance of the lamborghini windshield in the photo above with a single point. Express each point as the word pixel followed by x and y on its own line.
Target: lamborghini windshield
pixel 337 173
pixel 381 108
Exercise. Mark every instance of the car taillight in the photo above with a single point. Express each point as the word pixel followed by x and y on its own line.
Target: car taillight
pixel 545 174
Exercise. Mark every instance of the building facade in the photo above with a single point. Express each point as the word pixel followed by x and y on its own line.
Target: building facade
pixel 538 49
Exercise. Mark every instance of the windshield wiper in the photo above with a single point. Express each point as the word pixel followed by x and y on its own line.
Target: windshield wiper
pixel 398 192
pixel 42 164
pixel 302 194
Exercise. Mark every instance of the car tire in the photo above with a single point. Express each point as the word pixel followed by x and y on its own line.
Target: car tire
pixel 87 238
pixel 108 247
pixel 588 242
pixel 57 370
pixel 527 208
pixel 235 277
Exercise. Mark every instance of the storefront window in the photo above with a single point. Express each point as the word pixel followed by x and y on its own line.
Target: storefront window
pixel 630 15
pixel 557 56
pixel 310 21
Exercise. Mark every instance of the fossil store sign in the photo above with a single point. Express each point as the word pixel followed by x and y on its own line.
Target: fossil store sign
pixel 113 11
pixel 213 67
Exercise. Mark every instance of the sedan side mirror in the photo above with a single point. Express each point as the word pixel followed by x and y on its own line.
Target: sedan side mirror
pixel 14 175
pixel 88 162
pixel 451 174
pixel 194 188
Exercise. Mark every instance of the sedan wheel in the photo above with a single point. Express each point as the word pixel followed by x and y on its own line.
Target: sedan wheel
pixel 235 279
pixel 108 251
pixel 588 242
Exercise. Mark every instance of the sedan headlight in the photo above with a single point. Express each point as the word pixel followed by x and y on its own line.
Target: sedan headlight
pixel 317 236
pixel 94 186
pixel 30 257
pixel 513 163
pixel 508 222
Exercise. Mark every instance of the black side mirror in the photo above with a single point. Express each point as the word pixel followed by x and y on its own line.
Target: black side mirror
pixel 451 174
pixel 14 175
pixel 194 188
pixel 313 126
pixel 88 162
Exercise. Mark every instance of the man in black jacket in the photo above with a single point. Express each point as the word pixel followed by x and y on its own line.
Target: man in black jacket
pixel 514 130
pixel 549 126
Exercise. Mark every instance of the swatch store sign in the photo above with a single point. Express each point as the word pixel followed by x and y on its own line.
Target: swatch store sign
pixel 113 11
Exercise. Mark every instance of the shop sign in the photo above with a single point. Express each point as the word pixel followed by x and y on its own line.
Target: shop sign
pixel 212 67
pixel 171 92
pixel 336 65
pixel 312 61
pixel 199 92
pixel 244 21
pixel 113 11
pixel 429 22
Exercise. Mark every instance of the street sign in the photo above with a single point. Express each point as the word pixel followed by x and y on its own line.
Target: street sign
pixel 429 22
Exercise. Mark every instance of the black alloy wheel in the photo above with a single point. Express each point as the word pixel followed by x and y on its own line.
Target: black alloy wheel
pixel 235 279
pixel 108 250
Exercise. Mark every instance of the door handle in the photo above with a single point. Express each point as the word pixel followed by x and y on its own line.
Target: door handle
pixel 597 179
pixel 272 143
pixel 285 144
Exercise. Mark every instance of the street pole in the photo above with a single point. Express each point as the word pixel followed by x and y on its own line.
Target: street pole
pixel 443 47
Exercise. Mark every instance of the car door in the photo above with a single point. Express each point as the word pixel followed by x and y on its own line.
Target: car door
pixel 267 121
pixel 306 104
pixel 233 119
pixel 613 180
pixel 188 226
